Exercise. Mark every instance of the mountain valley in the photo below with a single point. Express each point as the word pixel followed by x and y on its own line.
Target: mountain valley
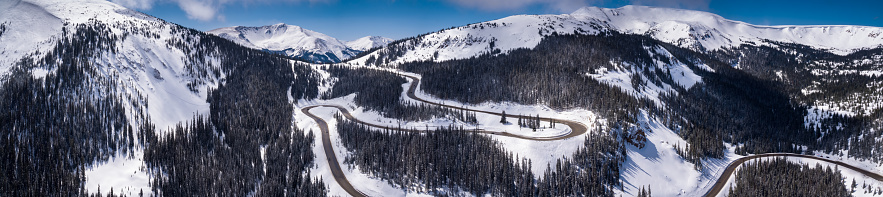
pixel 630 101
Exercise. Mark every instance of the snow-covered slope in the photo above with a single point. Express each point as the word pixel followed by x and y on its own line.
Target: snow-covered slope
pixel 160 61
pixel 368 42
pixel 696 30
pixel 298 42
pixel 19 36
pixel 144 60
pixel 688 28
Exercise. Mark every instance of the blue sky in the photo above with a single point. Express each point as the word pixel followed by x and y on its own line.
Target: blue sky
pixel 351 19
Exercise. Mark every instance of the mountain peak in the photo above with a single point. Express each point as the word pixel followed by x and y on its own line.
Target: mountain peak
pixel 368 42
pixel 589 11
pixel 646 13
pixel 291 40
pixel 284 27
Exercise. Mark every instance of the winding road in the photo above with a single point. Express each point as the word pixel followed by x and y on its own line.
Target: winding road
pixel 576 130
pixel 731 169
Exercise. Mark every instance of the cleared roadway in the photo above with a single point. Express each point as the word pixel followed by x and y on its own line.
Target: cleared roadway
pixel 576 129
pixel 731 169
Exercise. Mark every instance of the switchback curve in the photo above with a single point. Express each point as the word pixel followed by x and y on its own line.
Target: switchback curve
pixel 731 169
pixel 576 129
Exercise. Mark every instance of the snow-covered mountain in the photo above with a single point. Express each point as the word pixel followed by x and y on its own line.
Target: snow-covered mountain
pixel 298 42
pixel 104 71
pixel 142 57
pixel 88 53
pixel 133 56
pixel 688 28
pixel 368 42
pixel 701 31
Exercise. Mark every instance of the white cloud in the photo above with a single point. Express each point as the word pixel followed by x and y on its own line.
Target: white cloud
pixel 498 5
pixel 199 10
pixel 210 10
pixel 135 4
pixel 567 6
pixel 205 10
pixel 685 4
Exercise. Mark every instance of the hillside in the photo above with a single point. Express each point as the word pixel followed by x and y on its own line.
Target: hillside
pixel 599 102
pixel 101 89
pixel 724 87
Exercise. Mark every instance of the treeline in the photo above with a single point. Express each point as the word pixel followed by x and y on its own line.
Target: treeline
pixel 593 170
pixel 730 105
pixel 194 160
pixel 381 91
pixel 53 128
pixel 779 177
pixel 449 160
pixel 813 77
pixel 869 146
pixel 553 74
pixel 221 153
pixel 2 29
pixel 759 105
pixel 702 143
pixel 249 115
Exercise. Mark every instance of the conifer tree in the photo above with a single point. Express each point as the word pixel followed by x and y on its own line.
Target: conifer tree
pixel 503 118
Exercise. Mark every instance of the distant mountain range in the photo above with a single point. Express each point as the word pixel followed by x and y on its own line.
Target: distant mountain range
pixel 696 30
pixel 297 42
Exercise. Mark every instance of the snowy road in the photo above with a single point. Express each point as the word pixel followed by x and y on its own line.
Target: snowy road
pixel 576 130
pixel 332 158
pixel 576 127
pixel 731 169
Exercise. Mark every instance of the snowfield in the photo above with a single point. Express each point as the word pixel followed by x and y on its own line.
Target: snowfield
pixel 156 79
pixel 659 167
pixel 123 174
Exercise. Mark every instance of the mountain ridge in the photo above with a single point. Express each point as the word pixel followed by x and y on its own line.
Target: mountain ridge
pixel 368 42
pixel 628 19
pixel 697 30
pixel 298 42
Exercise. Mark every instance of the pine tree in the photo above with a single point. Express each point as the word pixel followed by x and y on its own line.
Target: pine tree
pixel 520 122
pixel 537 123
pixel 503 119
